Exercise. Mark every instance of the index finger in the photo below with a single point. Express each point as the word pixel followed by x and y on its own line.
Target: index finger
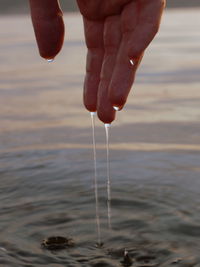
pixel 48 26
pixel 140 22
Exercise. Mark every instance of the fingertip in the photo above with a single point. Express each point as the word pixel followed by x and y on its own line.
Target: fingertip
pixel 50 39
pixel 90 107
pixel 106 117
pixel 117 99
pixel 49 27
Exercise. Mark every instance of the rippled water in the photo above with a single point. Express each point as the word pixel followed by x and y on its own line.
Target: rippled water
pixel 155 209
pixel 46 157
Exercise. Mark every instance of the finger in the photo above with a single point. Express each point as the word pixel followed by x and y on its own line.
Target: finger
pixel 94 41
pixel 124 73
pixel 112 39
pixel 105 110
pixel 48 26
pixel 148 18
pixel 140 22
pixel 123 77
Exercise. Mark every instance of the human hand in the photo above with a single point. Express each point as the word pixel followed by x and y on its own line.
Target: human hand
pixel 116 33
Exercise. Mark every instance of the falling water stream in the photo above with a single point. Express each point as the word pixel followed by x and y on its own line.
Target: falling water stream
pixel 95 178
pixel 107 128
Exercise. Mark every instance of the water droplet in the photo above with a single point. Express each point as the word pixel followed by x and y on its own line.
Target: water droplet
pixel 107 125
pixel 116 108
pixel 50 60
pixel 132 62
pixel 93 113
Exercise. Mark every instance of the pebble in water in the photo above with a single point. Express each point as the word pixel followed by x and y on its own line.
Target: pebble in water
pixel 99 245
pixel 176 260
pixel 57 242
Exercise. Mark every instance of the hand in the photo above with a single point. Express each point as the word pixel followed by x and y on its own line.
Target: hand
pixel 117 33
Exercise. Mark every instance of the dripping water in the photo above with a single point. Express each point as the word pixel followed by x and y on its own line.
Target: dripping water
pixel 132 62
pixel 95 180
pixel 50 60
pixel 107 127
pixel 116 108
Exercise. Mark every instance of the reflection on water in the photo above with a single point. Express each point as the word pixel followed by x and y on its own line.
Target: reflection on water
pixel 46 157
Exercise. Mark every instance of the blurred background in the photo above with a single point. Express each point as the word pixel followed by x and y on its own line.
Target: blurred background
pixel 21 6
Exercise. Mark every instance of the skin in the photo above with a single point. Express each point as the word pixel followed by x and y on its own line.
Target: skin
pixel 116 31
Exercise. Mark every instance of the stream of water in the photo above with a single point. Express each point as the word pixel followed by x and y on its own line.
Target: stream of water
pixel 95 179
pixel 107 128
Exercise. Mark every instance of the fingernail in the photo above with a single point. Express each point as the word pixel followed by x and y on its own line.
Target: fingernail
pixel 132 62
pixel 50 60
pixel 116 108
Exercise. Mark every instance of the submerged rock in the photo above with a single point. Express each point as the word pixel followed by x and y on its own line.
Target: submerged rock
pixel 99 245
pixel 57 242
